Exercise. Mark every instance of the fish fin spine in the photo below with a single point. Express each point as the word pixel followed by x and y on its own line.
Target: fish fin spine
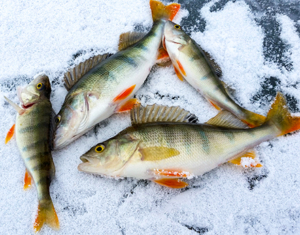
pixel 171 183
pixel 46 215
pixel 280 116
pixel 10 134
pixel 160 11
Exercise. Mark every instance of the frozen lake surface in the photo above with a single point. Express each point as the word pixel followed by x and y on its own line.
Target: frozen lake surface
pixel 257 45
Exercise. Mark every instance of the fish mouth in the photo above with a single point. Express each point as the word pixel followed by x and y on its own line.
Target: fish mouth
pixel 84 159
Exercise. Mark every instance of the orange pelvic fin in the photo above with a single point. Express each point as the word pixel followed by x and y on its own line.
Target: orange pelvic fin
pixel 160 11
pixel 128 105
pixel 46 214
pixel 10 134
pixel 252 155
pixel 171 183
pixel 178 74
pixel 162 57
pixel 124 94
pixel 181 68
pixel 27 180
pixel 171 173
pixel 213 104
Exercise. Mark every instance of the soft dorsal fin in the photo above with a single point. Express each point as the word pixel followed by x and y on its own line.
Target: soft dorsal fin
pixel 129 38
pixel 226 119
pixel 160 113
pixel 76 73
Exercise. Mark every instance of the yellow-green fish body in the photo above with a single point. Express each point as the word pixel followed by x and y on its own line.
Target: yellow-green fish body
pixel 107 87
pixel 164 152
pixel 191 63
pixel 33 136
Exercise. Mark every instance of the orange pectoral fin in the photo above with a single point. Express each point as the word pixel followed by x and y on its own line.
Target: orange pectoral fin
pixel 178 74
pixel 128 105
pixel 181 68
pixel 171 183
pixel 10 134
pixel 27 180
pixel 124 94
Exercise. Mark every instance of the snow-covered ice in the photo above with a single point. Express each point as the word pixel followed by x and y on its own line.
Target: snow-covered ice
pixel 258 51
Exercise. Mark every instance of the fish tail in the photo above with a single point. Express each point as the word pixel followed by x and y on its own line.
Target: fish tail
pixel 280 116
pixel 46 214
pixel 160 11
pixel 253 119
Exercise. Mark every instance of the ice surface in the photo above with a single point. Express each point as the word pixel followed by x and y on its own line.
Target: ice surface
pixel 51 36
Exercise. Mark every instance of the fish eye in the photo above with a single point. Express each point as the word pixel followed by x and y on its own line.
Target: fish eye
pixel 176 26
pixel 40 86
pixel 99 148
pixel 57 119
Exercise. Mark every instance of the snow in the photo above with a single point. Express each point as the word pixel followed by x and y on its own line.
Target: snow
pixel 45 36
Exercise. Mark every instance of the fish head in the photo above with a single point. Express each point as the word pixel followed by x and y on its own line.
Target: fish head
pixel 37 89
pixel 173 37
pixel 109 157
pixel 71 120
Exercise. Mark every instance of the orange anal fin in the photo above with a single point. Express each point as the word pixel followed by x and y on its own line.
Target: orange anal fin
pixel 128 105
pixel 178 74
pixel 171 173
pixel 46 215
pixel 181 68
pixel 213 104
pixel 10 134
pixel 124 94
pixel 27 180
pixel 246 160
pixel 171 183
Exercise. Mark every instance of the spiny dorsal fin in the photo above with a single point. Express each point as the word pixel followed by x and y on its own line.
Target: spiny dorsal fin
pixel 76 73
pixel 226 119
pixel 160 113
pixel 129 38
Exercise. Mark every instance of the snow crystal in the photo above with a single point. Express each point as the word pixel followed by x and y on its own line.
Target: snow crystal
pixel 51 36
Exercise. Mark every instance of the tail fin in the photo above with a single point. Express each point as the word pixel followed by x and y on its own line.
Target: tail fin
pixel 46 214
pixel 160 11
pixel 280 116
pixel 253 119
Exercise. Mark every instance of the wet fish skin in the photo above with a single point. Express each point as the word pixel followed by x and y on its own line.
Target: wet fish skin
pixel 191 63
pixel 95 96
pixel 165 152
pixel 33 140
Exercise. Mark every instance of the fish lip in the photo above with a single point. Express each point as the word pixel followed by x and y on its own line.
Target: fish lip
pixel 84 159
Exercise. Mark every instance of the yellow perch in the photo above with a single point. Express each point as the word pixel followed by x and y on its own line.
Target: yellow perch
pixel 33 134
pixel 162 146
pixel 191 63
